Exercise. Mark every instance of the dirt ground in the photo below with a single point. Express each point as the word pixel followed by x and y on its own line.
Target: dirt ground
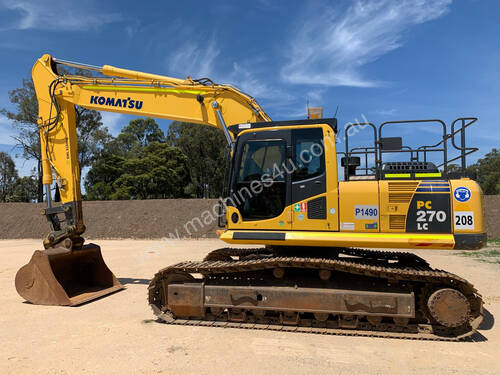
pixel 118 335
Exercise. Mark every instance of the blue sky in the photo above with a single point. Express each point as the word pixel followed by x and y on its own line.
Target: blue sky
pixel 384 60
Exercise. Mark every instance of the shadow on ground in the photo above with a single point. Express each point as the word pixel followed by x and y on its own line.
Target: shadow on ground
pixel 128 280
pixel 487 324
pixel 488 321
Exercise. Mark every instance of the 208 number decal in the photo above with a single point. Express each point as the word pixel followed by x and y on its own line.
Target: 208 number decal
pixel 464 220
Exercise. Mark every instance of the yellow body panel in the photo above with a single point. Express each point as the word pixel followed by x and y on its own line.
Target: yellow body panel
pixel 395 198
pixel 359 206
pixel 348 239
pixel 474 207
pixel 302 222
pixel 169 103
pixel 281 222
pixel 331 223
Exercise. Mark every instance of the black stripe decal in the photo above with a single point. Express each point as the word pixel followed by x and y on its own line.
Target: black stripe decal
pixel 259 236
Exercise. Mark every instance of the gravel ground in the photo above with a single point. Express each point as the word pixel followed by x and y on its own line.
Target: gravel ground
pixel 118 335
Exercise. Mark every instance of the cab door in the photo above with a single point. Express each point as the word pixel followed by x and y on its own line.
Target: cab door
pixel 260 185
pixel 309 181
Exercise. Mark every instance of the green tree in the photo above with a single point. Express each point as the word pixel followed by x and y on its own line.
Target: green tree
pixel 25 189
pixel 136 135
pixel 159 171
pixel 487 170
pixel 25 121
pixel 206 149
pixel 105 170
pixel 8 176
pixel 454 169
pixel 109 165
pixel 491 184
pixel 92 135
pixel 143 131
pixel 156 171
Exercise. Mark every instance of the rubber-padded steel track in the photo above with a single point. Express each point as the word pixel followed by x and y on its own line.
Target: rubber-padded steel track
pixel 406 268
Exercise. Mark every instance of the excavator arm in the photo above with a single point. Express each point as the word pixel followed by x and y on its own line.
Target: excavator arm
pixel 123 91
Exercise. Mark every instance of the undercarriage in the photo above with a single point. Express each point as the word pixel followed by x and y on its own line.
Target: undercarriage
pixel 352 292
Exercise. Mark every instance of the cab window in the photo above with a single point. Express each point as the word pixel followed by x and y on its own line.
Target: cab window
pixel 309 156
pixel 258 161
pixel 259 158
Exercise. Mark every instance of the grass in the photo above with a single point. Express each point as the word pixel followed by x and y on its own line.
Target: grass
pixel 494 242
pixel 490 254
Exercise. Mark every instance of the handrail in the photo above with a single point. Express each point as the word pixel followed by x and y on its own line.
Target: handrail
pixel 415 153
pixel 403 122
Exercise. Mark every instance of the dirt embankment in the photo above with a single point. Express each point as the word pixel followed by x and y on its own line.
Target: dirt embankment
pixel 492 206
pixel 191 218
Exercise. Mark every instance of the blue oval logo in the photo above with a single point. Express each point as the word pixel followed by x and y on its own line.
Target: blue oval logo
pixel 462 194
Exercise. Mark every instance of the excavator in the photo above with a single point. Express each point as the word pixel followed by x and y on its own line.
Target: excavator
pixel 316 267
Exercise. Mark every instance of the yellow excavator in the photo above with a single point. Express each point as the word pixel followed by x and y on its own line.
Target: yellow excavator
pixel 284 193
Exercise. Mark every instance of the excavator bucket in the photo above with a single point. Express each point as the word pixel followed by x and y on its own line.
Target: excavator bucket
pixel 66 277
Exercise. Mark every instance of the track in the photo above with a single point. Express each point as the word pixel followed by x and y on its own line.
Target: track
pixel 229 267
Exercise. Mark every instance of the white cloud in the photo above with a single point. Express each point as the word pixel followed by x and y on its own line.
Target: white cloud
pixel 8 144
pixel 290 110
pixel 56 15
pixel 24 167
pixel 199 59
pixel 315 97
pixel 6 131
pixel 246 78
pixel 333 44
pixel 247 81
pixel 113 121
pixel 195 59
pixel 386 112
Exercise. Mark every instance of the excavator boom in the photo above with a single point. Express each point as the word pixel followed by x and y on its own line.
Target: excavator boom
pixel 69 272
pixel 123 91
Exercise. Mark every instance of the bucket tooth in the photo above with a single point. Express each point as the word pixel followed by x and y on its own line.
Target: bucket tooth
pixel 66 277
